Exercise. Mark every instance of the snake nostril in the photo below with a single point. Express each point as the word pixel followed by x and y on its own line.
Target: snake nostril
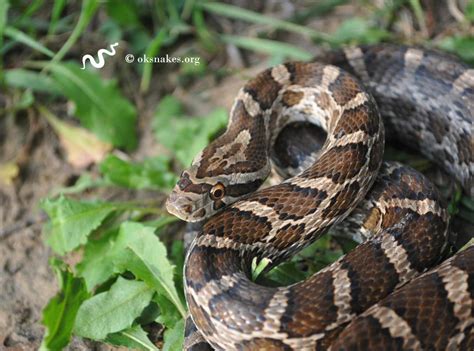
pixel 187 208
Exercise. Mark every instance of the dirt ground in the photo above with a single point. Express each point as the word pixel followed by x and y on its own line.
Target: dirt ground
pixel 26 281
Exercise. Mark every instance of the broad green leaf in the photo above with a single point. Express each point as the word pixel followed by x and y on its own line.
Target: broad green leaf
pixel 125 13
pixel 359 30
pixel 146 258
pixel 99 104
pixel 72 221
pixel 97 264
pixel 99 255
pixel 152 173
pixel 25 39
pixel 267 46
pixel 185 136
pixel 134 338
pixel 113 310
pixel 60 312
pixel 177 256
pixel 162 222
pixel 25 79
pixel 168 108
pixel 174 337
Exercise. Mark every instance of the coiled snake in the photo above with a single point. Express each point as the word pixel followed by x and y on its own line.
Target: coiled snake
pixel 373 298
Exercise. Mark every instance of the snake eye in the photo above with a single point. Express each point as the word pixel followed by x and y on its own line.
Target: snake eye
pixel 217 191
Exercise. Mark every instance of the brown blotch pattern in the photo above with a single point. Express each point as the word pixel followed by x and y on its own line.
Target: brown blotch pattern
pixel 372 221
pixel 240 226
pixel 291 98
pixel 298 320
pixel 358 118
pixel 305 74
pixel 339 163
pixel 290 201
pixel 263 344
pixel 264 89
pixel 344 88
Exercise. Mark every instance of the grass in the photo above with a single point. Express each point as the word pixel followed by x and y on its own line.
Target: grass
pixel 129 276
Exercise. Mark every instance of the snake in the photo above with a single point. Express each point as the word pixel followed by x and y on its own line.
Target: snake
pixel 395 290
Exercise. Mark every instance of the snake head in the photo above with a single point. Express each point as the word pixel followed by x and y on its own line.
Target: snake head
pixel 204 188
pixel 194 201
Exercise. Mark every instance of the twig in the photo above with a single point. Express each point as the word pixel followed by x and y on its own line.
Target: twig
pixel 455 12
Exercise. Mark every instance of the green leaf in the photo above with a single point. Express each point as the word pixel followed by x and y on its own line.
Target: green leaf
pixel 72 221
pixel 4 5
pixel 206 38
pixel 25 39
pixel 125 13
pixel 286 273
pixel 99 104
pixel 462 46
pixel 152 173
pixel 87 12
pixel 174 337
pixel 468 202
pixel 168 108
pixel 25 79
pixel 58 7
pixel 97 264
pixel 254 17
pixel 152 50
pixel 60 312
pixel 359 30
pixel 169 314
pixel 113 310
pixel 84 182
pixel 467 245
pixel 257 269
pixel 266 46
pixel 134 338
pixel 146 258
pixel 185 136
pixel 470 10
pixel 177 256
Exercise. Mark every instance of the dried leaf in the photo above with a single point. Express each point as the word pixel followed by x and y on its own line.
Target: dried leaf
pixel 82 147
pixel 8 172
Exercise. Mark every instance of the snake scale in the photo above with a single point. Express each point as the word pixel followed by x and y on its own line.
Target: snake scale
pixel 380 296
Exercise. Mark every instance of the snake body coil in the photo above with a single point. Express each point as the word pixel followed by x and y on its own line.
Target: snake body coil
pixel 426 100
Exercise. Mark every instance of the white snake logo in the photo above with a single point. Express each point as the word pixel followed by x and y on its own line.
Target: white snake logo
pixel 101 62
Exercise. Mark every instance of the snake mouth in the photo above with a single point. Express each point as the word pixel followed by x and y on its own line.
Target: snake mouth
pixel 182 207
